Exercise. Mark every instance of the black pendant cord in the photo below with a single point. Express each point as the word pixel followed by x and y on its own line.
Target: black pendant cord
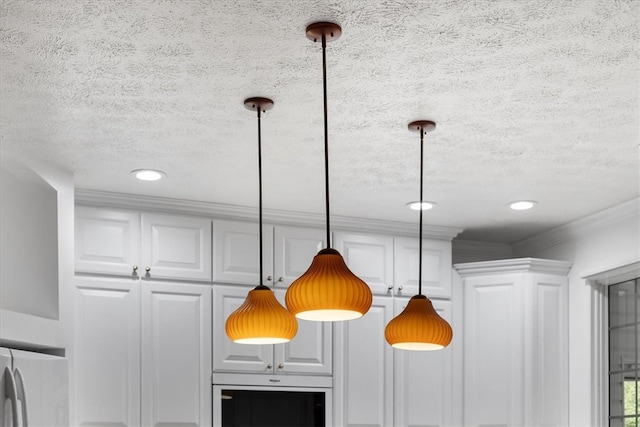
pixel 326 136
pixel 420 237
pixel 260 192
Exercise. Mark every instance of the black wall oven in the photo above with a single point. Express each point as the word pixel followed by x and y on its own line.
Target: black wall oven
pixel 267 406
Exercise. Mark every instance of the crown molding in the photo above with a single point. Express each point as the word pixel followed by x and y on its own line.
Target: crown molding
pixel 245 213
pixel 571 230
pixel 517 265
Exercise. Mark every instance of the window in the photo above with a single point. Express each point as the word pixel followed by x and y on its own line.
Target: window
pixel 624 346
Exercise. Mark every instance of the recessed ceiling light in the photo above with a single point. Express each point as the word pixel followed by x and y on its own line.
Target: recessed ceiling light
pixel 522 205
pixel 148 174
pixel 424 205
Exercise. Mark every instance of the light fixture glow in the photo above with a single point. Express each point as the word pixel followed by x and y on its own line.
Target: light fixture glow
pixel 261 319
pixel 419 326
pixel 522 205
pixel 328 290
pixel 424 205
pixel 148 174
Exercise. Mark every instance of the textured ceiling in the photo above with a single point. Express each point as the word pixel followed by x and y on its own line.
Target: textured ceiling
pixel 533 100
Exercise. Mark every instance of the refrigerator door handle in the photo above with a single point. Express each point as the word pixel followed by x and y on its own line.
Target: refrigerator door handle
pixel 22 396
pixel 12 393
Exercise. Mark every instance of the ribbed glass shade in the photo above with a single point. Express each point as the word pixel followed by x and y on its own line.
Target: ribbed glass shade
pixel 261 319
pixel 418 327
pixel 328 291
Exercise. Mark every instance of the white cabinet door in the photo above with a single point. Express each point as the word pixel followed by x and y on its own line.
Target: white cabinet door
pixel 236 253
pixel 436 267
pixel 423 392
pixel 107 241
pixel 294 249
pixel 309 352
pixel 227 355
pixel 107 352
pixel 370 257
pixel 363 380
pixel 177 247
pixel 176 354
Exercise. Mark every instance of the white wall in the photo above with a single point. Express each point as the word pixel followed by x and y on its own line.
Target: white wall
pixel 593 244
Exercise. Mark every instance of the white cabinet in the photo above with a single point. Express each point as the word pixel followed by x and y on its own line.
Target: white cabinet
pixel 436 267
pixel 389 265
pixel 423 390
pixel 363 377
pixel 123 242
pixel 370 257
pixel 287 252
pixel 515 342
pixel 308 353
pixel 176 354
pixel 376 385
pixel 107 352
pixel 142 353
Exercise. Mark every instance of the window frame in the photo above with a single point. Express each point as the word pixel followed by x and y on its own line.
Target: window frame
pixel 599 283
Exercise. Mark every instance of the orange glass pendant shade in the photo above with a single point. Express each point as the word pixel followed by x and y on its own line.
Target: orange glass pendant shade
pixel 418 327
pixel 328 291
pixel 261 319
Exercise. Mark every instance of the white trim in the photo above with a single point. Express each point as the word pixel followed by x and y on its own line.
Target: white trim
pixel 245 213
pixel 568 231
pixel 599 335
pixel 517 265
pixel 619 273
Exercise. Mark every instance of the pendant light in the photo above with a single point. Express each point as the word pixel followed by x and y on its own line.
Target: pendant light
pixel 419 327
pixel 261 319
pixel 328 290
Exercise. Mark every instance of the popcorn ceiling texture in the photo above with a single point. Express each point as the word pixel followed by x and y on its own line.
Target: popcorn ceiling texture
pixel 533 100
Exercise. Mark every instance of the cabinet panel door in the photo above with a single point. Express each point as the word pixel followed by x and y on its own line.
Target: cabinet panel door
pixel 424 380
pixel 363 380
pixel 236 252
pixel 176 354
pixel 227 355
pixel 436 267
pixel 176 247
pixel 369 257
pixel 294 249
pixel 107 352
pixel 106 241
pixel 309 352
pixel 494 350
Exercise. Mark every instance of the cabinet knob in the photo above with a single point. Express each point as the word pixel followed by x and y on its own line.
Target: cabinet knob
pixel 269 278
pixel 280 366
pixel 390 287
pixel 148 269
pixel 135 268
pixel 400 288
pixel 281 279
pixel 270 366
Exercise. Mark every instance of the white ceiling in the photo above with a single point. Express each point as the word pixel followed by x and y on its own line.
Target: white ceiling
pixel 533 100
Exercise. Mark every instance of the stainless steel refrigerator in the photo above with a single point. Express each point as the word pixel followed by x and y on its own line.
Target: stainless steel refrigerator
pixel 34 389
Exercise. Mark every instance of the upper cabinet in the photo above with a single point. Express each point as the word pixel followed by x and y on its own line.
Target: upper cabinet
pixel 389 265
pixel 370 257
pixel 436 267
pixel 287 252
pixel 150 245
